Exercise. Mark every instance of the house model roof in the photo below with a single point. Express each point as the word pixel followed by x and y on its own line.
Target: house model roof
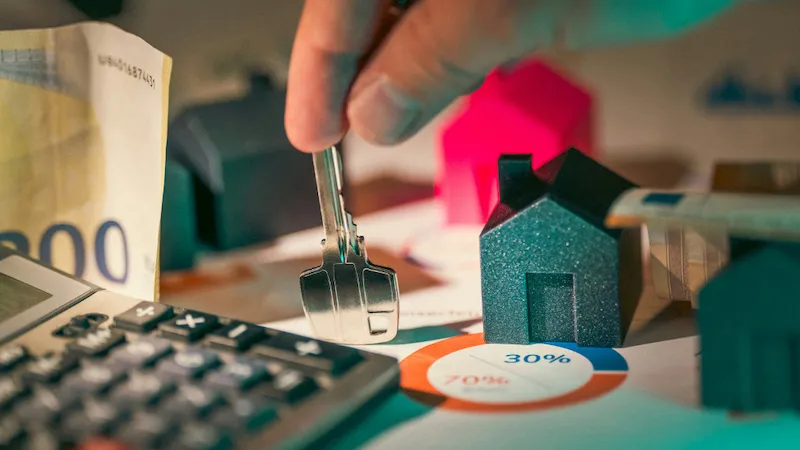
pixel 537 90
pixel 573 180
pixel 206 135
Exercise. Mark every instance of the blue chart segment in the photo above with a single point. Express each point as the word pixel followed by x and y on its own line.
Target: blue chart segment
pixel 602 359
pixel 463 373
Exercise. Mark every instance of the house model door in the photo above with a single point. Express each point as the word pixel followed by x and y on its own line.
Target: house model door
pixel 551 306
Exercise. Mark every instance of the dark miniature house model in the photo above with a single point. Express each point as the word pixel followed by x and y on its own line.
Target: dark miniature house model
pixel 550 270
pixel 250 184
pixel 749 323
pixel 178 236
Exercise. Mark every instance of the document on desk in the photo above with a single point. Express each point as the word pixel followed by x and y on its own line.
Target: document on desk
pixel 83 127
pixel 459 392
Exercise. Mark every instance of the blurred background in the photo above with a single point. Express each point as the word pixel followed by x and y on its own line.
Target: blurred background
pixel 650 97
pixel 662 114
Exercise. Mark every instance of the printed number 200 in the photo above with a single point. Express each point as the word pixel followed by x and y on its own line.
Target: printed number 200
pixel 22 244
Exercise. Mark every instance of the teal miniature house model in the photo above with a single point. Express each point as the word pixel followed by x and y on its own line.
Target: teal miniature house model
pixel 749 323
pixel 550 269
pixel 250 185
pixel 178 238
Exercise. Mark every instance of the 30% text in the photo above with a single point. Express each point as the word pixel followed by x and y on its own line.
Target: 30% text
pixel 533 358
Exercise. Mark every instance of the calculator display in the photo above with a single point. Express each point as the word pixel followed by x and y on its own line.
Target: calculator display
pixel 16 296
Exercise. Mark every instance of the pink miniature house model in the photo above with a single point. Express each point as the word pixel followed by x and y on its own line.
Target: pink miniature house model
pixel 531 109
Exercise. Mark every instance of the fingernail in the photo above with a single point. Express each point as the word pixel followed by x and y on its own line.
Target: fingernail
pixel 382 113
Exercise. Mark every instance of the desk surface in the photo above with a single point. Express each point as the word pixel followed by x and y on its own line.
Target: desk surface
pixel 649 400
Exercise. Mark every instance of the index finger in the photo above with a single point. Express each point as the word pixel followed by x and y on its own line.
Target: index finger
pixel 332 37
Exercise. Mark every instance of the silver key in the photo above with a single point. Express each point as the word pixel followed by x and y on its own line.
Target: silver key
pixel 347 299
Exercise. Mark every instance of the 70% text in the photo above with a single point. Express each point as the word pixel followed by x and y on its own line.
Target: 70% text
pixel 474 380
pixel 533 358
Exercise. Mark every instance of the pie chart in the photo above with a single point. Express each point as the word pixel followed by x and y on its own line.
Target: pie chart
pixel 465 374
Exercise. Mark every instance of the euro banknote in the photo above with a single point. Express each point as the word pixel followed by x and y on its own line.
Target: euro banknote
pixel 83 126
pixel 689 232
pixel 754 216
pixel 683 259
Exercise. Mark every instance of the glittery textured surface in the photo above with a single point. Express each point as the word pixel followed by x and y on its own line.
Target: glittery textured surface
pixel 545 238
pixel 749 323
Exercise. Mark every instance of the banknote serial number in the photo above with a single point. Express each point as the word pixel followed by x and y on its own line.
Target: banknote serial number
pixel 125 67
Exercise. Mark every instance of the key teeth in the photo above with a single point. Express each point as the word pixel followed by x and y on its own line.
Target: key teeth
pixel 362 249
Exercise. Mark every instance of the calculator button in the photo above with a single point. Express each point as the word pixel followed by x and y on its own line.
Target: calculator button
pixel 94 419
pixel 191 401
pixel 50 368
pixel 90 380
pixel 246 414
pixel 143 317
pixel 79 325
pixel 43 408
pixel 11 431
pixel 141 389
pixel 97 342
pixel 146 431
pixel 190 325
pixel 189 363
pixel 240 374
pixel 237 336
pixel 142 352
pixel 11 356
pixel 11 391
pixel 89 320
pixel 288 386
pixel 200 436
pixel 331 358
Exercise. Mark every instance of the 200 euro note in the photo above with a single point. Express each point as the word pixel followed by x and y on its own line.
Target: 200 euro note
pixel 83 123
pixel 689 231
pixel 684 259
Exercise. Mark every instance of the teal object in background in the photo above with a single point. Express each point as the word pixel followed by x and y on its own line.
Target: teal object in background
pixel 250 185
pixel 178 231
pixel 749 322
pixel 609 22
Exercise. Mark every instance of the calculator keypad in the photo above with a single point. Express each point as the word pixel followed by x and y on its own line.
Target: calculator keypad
pixel 163 377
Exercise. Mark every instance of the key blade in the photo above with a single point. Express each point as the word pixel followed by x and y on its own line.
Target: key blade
pixel 336 225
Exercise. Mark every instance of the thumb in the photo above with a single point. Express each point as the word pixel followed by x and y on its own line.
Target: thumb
pixel 437 52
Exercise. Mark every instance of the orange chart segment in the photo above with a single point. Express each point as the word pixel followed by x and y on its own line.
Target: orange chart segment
pixel 463 373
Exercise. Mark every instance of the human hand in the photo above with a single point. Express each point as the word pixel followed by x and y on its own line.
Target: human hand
pixel 438 51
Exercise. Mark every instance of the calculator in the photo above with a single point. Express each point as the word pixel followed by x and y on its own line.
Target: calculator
pixel 81 364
